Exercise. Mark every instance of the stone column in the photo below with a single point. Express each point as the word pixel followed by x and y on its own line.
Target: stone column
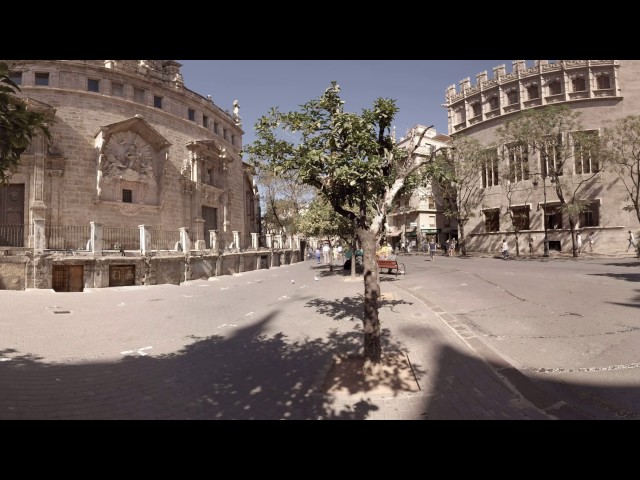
pixel 278 240
pixel 145 239
pixel 200 243
pixel 213 240
pixel 96 237
pixel 185 241
pixel 254 241
pixel 269 238
pixel 297 240
pixel 290 241
pixel 39 237
pixel 236 240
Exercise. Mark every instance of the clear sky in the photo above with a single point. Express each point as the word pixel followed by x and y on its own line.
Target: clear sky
pixel 418 86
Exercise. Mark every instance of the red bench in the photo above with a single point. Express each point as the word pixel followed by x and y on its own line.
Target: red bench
pixel 391 265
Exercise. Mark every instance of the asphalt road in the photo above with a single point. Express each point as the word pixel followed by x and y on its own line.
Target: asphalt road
pixel 572 325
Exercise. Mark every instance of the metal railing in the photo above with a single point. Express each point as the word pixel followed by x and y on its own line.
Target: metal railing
pixel 67 237
pixel 120 238
pixel 78 237
pixel 12 236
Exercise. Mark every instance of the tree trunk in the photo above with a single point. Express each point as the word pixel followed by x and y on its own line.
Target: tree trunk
pixel 371 322
pixel 572 226
pixel 517 245
pixel 463 243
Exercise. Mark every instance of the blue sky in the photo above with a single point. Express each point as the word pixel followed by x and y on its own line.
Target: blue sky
pixel 418 86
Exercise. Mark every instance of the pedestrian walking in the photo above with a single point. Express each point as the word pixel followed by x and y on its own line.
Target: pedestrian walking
pixel 318 252
pixel 579 242
pixel 452 247
pixel 432 249
pixel 591 241
pixel 530 244
pixel 505 249
pixel 326 251
pixel 447 247
pixel 632 241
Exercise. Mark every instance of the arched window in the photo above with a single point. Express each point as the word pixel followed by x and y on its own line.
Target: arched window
pixel 494 104
pixel 476 109
pixel 533 92
pixel 603 82
pixel 578 85
pixel 512 97
pixel 555 88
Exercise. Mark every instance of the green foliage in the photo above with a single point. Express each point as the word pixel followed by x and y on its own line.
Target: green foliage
pixel 354 165
pixel 321 221
pixel 621 149
pixel 554 132
pixel 18 125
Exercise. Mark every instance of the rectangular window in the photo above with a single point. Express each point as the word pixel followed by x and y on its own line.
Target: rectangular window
pixel 249 204
pixel 42 79
pixel 93 85
pixel 585 160
pixel 224 133
pixel 550 163
pixel 205 121
pixel 233 139
pixel 492 220
pixel 117 89
pixel 518 162
pixel 216 128
pixel 590 217
pixel 157 101
pixel 191 114
pixel 138 95
pixel 520 218
pixel 127 195
pixel 490 172
pixel 16 77
pixel 553 217
pixel 210 176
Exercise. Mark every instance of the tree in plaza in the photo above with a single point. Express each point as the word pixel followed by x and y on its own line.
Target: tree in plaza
pixel 517 204
pixel 18 125
pixel 455 174
pixel 352 161
pixel 621 147
pixel 283 199
pixel 555 134
pixel 321 220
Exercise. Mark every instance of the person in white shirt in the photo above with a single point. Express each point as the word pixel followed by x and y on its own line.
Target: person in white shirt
pixel 632 241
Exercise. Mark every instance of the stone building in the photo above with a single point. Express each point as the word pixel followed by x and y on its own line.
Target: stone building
pixel 136 163
pixel 418 217
pixel 603 91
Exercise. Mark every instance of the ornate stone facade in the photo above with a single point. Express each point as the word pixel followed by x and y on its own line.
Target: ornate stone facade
pixel 130 146
pixel 603 91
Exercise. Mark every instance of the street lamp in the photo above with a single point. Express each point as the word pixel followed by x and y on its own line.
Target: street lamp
pixel 545 252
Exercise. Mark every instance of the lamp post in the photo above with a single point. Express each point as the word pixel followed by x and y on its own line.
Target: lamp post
pixel 545 252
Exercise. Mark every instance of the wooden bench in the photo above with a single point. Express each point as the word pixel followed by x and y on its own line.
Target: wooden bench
pixel 391 265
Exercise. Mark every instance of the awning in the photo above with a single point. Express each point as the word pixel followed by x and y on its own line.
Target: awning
pixel 397 234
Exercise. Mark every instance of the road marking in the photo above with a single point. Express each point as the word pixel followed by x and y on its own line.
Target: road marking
pixel 4 359
pixel 139 351
pixel 250 314
pixel 121 304
pixel 284 297
pixel 224 288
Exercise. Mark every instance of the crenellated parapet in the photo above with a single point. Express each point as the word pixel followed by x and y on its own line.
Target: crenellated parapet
pixel 525 87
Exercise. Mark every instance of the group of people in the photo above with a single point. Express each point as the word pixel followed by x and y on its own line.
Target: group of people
pixel 327 253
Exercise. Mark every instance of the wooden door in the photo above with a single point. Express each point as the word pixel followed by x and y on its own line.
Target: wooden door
pixel 210 216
